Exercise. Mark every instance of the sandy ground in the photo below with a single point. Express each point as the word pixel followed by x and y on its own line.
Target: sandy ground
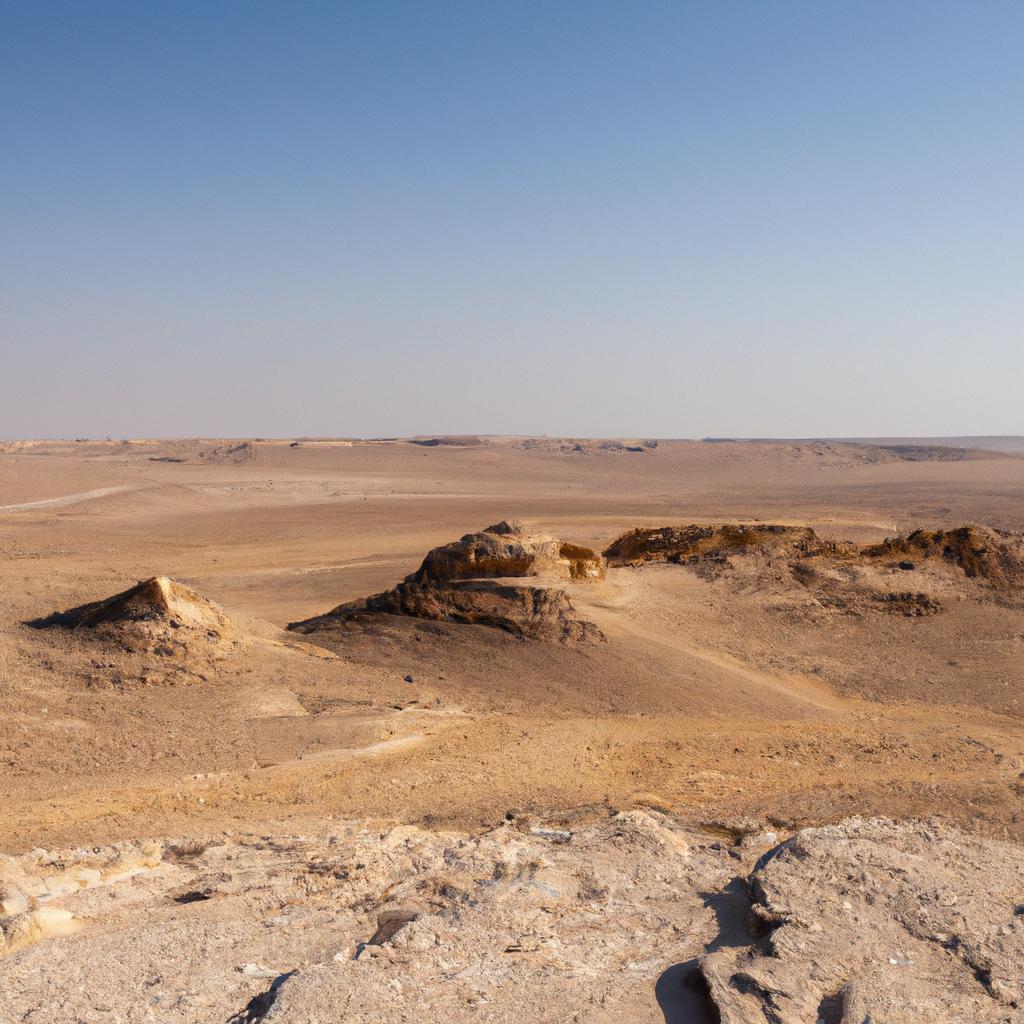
pixel 713 701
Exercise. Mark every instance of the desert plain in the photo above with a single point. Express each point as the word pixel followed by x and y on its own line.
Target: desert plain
pixel 670 731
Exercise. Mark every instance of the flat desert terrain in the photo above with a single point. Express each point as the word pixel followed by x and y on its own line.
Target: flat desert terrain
pixel 697 730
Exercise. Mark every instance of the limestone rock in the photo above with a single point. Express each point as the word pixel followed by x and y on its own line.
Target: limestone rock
pixel 982 553
pixel 475 581
pixel 506 549
pixel 882 921
pixel 681 543
pixel 535 612
pixel 868 920
pixel 158 601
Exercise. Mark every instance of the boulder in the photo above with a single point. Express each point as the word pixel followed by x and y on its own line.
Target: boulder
pixel 506 549
pixel 876 920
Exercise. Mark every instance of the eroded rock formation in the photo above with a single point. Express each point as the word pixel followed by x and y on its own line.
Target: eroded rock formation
pixel 536 612
pixel 878 921
pixel 615 920
pixel 982 553
pixel 470 581
pixel 506 549
pixel 971 561
pixel 682 543
pixel 158 603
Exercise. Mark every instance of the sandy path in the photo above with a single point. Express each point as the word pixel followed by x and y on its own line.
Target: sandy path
pixel 793 687
pixel 626 605
pixel 66 499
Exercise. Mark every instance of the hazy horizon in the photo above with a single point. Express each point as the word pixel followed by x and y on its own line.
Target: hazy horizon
pixel 668 220
pixel 994 442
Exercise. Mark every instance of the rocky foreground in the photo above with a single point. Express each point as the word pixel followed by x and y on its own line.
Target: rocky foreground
pixel 633 918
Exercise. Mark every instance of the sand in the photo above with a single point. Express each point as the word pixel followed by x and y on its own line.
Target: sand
pixel 671 809
pixel 715 698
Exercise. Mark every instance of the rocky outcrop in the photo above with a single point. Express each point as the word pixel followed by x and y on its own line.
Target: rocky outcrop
pixel 532 612
pixel 160 630
pixel 34 887
pixel 506 549
pixel 843 578
pixel 581 562
pixel 158 603
pixel 527 920
pixel 604 921
pixel 980 552
pixel 878 921
pixel 683 543
pixel 470 581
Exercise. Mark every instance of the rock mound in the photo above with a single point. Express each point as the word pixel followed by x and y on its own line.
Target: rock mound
pixel 461 582
pixel 245 451
pixel 446 442
pixel 982 553
pixel 531 612
pixel 158 604
pixel 506 549
pixel 878 921
pixel 839 577
pixel 682 543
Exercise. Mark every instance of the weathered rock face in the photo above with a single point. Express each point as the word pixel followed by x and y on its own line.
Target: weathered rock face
pixel 505 549
pixel 33 887
pixel 535 612
pixel 513 923
pixel 981 553
pixel 878 921
pixel 470 581
pixel 583 564
pixel 158 603
pixel 615 920
pixel 681 543
pixel 843 578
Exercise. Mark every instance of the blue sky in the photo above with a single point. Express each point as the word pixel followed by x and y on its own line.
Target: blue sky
pixel 667 219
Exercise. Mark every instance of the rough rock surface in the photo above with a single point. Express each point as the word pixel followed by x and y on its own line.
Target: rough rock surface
pixel 506 549
pixel 519 922
pixel 157 602
pixel 475 581
pixel 983 553
pixel 868 920
pixel 969 561
pixel 31 885
pixel 155 633
pixel 534 612
pixel 879 921
pixel 682 543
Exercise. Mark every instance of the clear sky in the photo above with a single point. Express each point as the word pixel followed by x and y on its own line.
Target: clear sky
pixel 588 218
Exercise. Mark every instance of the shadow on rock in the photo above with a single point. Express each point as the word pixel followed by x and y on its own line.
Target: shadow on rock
pixel 682 991
pixel 683 995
